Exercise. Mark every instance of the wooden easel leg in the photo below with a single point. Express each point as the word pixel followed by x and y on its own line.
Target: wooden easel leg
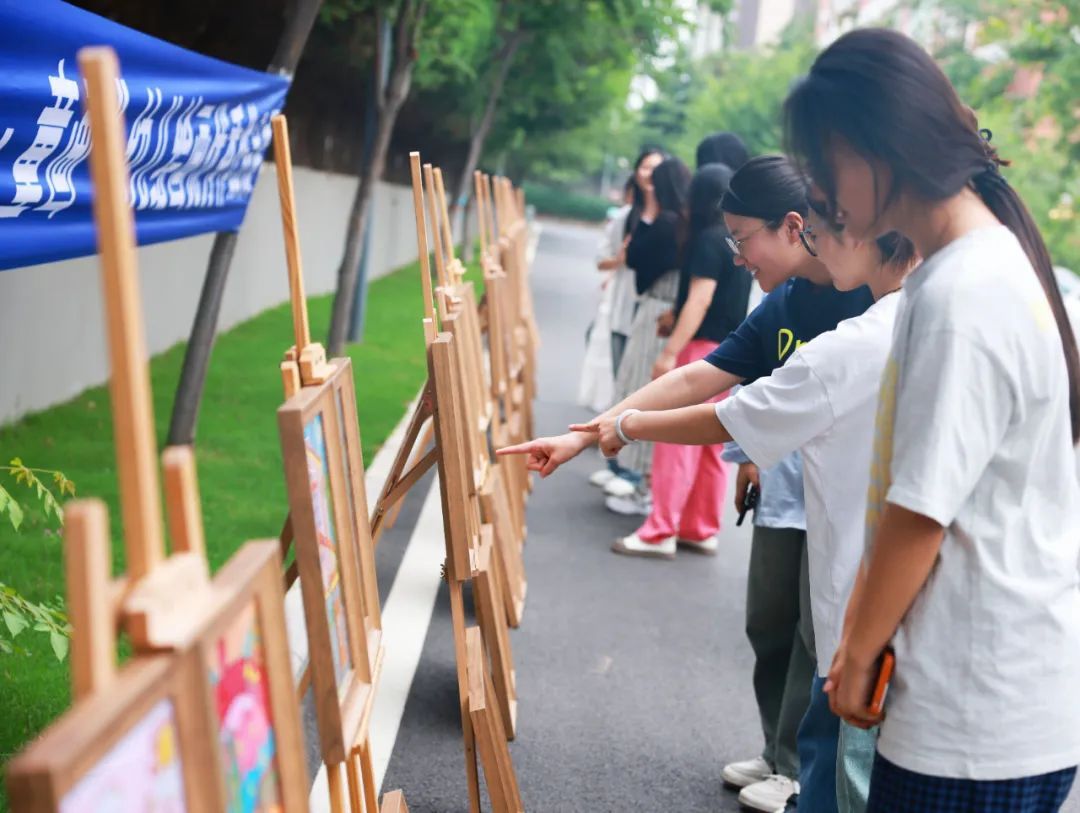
pixel 356 804
pixel 333 781
pixel 367 771
pixel 457 615
pixel 418 451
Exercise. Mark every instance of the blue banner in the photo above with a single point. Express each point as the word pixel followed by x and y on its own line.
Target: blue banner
pixel 196 132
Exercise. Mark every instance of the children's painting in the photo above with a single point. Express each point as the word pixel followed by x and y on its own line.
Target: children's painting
pixel 238 677
pixel 322 501
pixel 141 772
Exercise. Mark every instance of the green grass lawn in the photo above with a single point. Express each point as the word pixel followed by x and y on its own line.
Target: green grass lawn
pixel 237 452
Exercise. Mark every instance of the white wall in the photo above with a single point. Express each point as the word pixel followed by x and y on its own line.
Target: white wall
pixel 52 333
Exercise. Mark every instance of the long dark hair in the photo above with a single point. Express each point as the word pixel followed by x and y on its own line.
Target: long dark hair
pixel 722 148
pixel 671 182
pixel 639 194
pixel 885 96
pixel 707 189
pixel 767 187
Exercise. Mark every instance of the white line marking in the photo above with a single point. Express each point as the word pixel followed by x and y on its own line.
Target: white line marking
pixel 406 616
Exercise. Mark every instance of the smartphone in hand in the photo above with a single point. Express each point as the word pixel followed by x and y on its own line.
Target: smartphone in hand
pixel 886 665
pixel 750 502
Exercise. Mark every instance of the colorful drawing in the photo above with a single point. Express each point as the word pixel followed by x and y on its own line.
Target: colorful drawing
pixel 238 677
pixel 141 772
pixel 323 503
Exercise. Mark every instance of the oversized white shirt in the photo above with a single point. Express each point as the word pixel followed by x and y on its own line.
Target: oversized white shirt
pixel 974 432
pixel 823 401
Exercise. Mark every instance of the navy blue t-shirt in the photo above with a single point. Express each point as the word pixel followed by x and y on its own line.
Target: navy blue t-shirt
pixel 788 317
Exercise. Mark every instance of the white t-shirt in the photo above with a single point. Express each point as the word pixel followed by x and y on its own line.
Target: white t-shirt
pixel 823 401
pixel 974 433
pixel 621 290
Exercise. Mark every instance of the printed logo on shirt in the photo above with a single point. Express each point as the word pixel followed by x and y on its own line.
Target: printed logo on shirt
pixel 786 342
pixel 881 463
pixel 1040 311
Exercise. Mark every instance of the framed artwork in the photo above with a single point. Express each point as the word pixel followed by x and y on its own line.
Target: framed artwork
pixel 249 698
pixel 324 472
pixel 139 745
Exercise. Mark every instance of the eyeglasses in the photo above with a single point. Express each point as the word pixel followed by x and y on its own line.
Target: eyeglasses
pixel 736 245
pixel 809 239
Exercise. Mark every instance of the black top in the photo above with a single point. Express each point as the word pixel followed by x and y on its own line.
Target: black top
pixel 653 250
pixel 788 317
pixel 709 257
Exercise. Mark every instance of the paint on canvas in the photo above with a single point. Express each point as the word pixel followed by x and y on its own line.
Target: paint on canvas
pixel 238 678
pixel 322 501
pixel 142 771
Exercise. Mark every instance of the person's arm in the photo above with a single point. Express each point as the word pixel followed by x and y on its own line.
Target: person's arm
pixel 690 384
pixel 905 548
pixel 769 419
pixel 741 355
pixel 738 357
pixel 952 405
pixel 691 426
pixel 698 300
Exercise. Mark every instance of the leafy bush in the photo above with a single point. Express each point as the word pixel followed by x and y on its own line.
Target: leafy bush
pixel 18 613
pixel 550 200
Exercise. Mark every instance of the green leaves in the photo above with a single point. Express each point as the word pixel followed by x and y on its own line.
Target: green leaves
pixel 17 612
pixel 59 644
pixel 1021 79
pixel 10 506
pixel 19 615
pixel 15 623
pixel 24 475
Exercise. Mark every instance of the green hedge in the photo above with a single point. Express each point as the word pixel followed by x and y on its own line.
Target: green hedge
pixel 550 200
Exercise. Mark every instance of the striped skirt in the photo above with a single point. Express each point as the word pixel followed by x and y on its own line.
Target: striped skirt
pixel 643 347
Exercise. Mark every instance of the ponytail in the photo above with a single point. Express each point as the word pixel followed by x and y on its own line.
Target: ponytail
pixel 1007 207
pixel 884 95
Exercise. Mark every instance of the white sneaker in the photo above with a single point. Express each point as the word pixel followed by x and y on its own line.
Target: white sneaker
pixel 618 487
pixel 706 547
pixel 770 795
pixel 634 545
pixel 632 505
pixel 747 772
pixel 601 478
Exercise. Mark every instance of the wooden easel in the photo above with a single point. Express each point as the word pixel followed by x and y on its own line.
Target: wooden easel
pixel 166 604
pixel 475 413
pixel 320 399
pixel 507 288
pixel 394 802
pixel 507 368
pixel 469 542
pixel 491 481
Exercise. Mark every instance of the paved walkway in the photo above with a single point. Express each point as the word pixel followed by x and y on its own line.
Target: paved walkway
pixel 633 675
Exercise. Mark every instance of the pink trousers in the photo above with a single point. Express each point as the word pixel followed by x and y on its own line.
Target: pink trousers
pixel 689 483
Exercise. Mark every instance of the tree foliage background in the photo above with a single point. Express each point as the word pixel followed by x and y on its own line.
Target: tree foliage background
pixel 563 116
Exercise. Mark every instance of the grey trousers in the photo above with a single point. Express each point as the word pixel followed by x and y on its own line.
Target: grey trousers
pixel 781 633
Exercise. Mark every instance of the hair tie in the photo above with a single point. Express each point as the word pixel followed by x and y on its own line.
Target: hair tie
pixel 994 161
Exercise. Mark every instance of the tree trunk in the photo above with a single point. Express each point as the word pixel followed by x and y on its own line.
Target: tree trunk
pixel 504 59
pixel 197 354
pixel 348 271
pixel 410 17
